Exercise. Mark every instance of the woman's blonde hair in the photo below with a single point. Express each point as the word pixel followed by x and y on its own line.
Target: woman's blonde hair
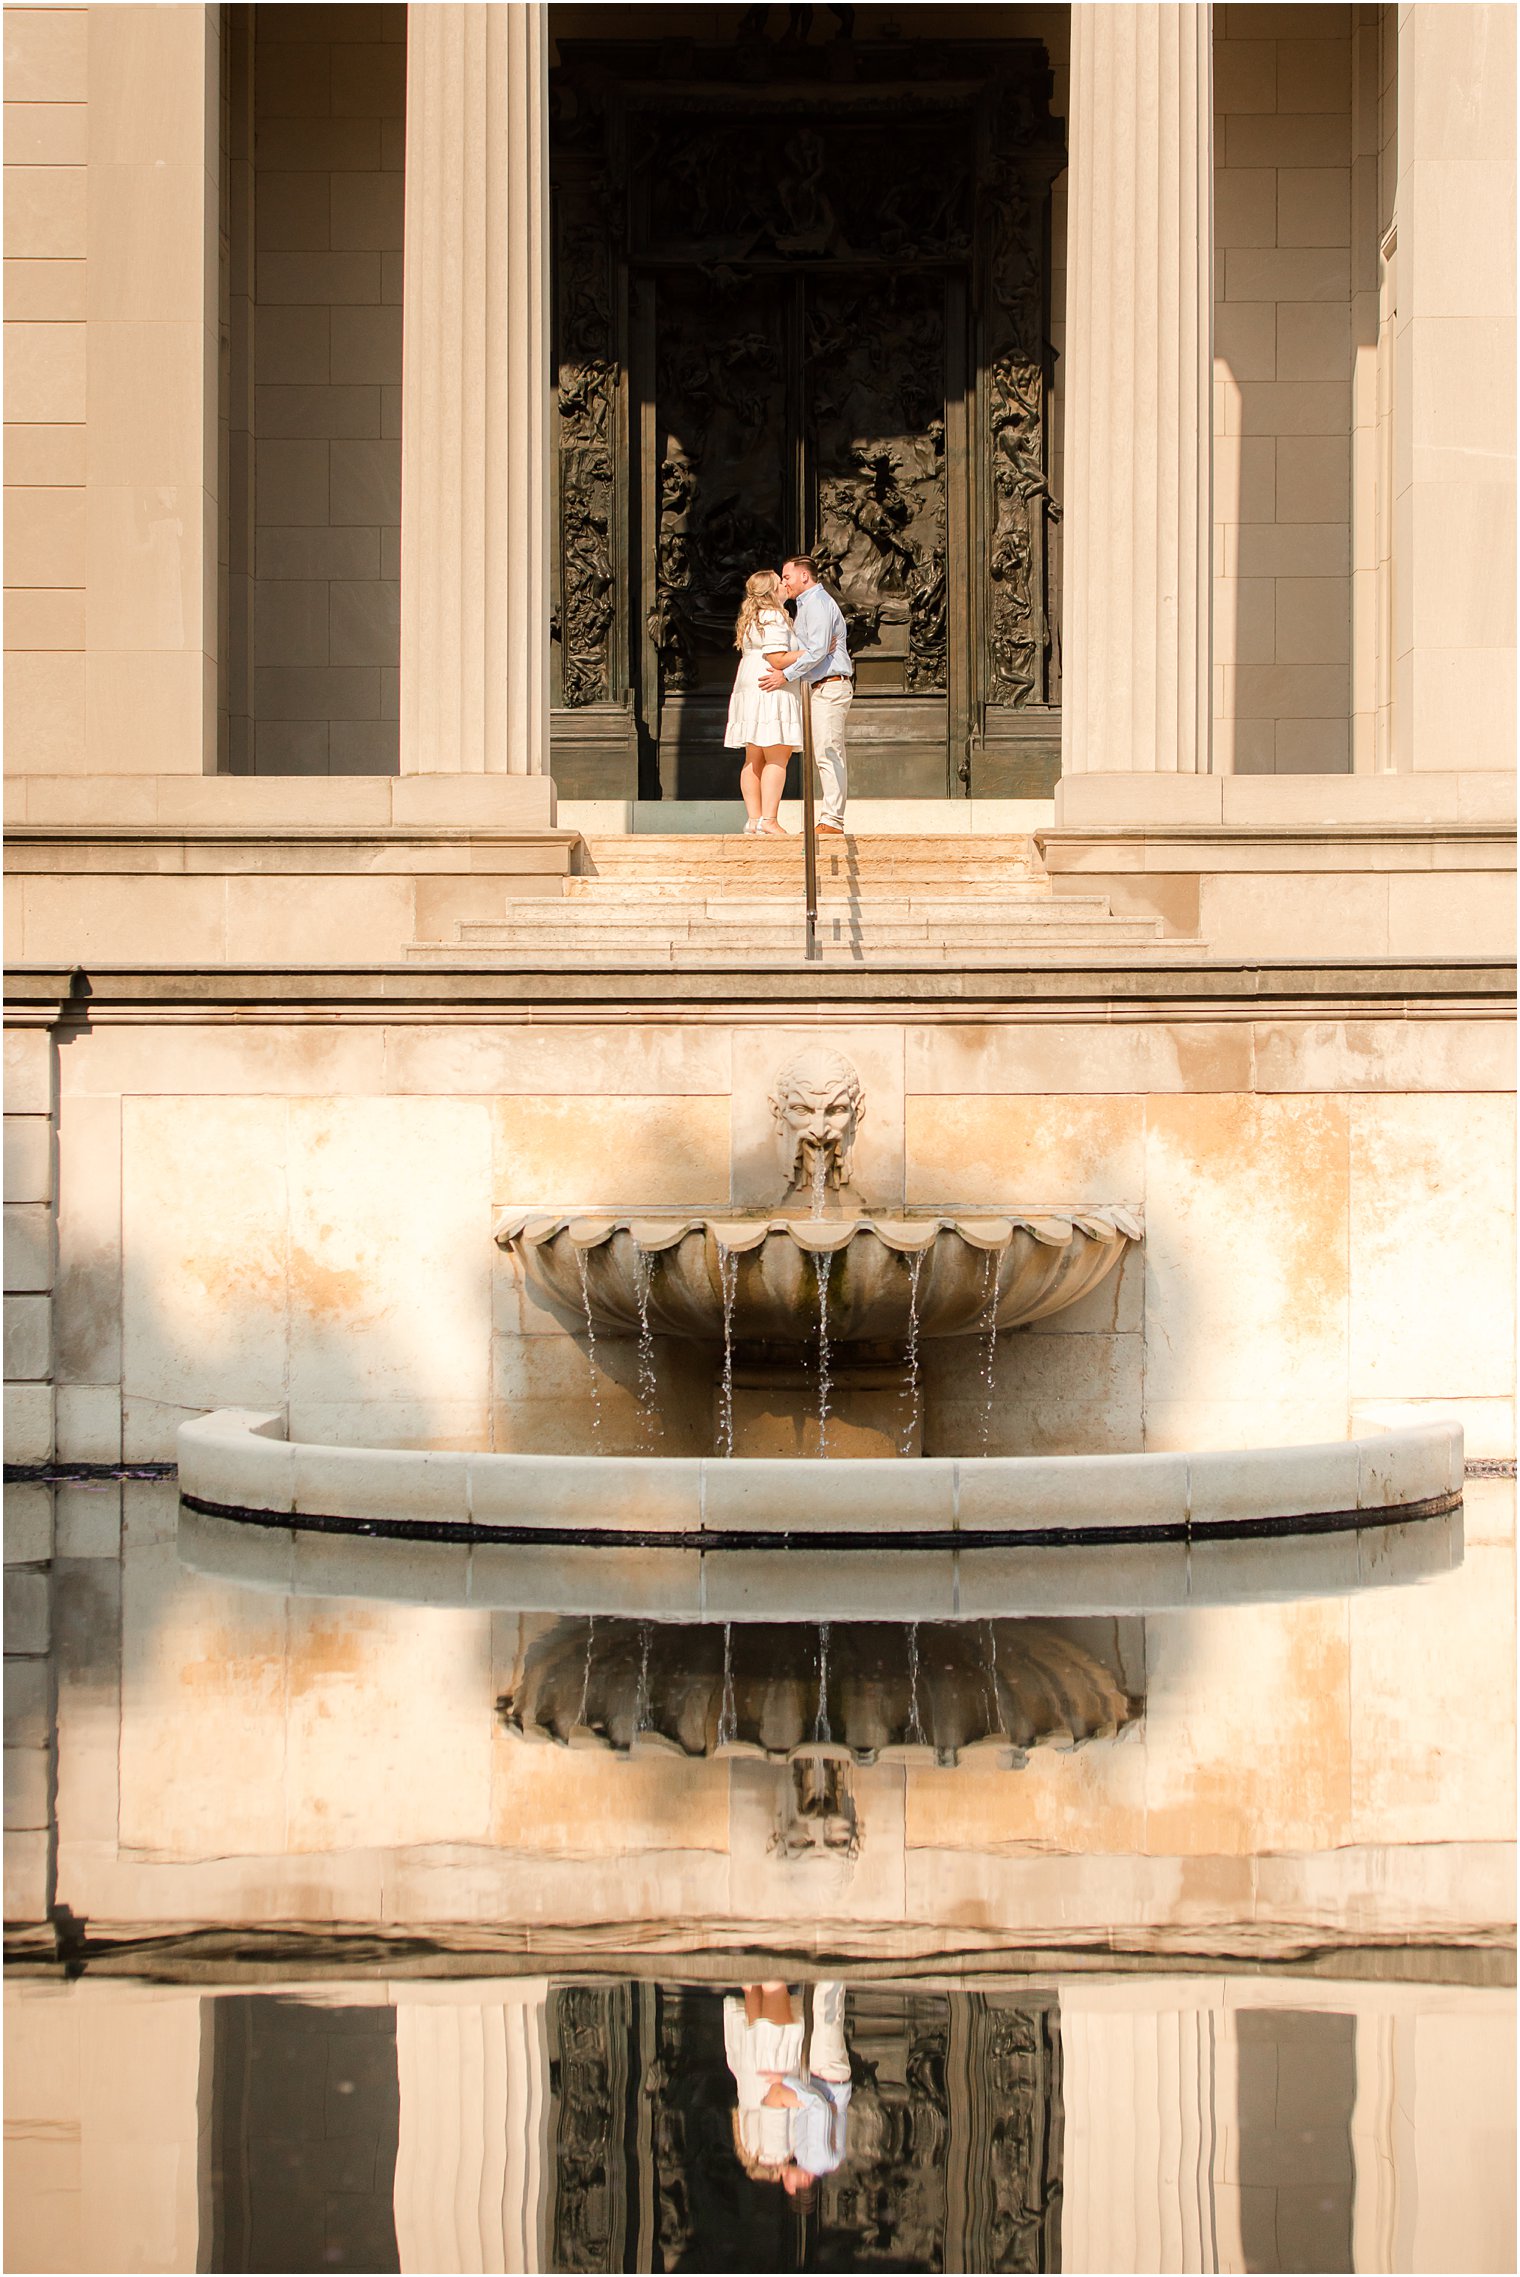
pixel 762 591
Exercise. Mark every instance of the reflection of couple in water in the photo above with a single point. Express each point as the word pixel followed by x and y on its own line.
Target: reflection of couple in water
pixel 792 2120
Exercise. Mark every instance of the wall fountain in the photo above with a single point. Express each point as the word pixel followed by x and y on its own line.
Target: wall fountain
pixel 809 1286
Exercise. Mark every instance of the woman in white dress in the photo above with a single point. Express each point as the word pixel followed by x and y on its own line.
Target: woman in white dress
pixel 766 725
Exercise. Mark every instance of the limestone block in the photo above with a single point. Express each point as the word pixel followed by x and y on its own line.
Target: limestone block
pixel 48 457
pixel 1248 1741
pixel 26 1789
pixel 50 619
pixel 146 711
pixel 1055 1395
pixel 28 1160
pixel 87 1298
pixel 28 1526
pixel 205 1281
pixel 45 56
pixel 147 256
pixel 26 1878
pixel 1024 1152
pixel 44 373
pixel 1448 914
pixel 611 1152
pixel 1246 1252
pixel 26 1611
pixel 389 1727
pixel 28 1071
pixel 45 538
pixel 389 1271
pixel 1431 1202
pixel 1432 1707
pixel 28 1704
pixel 598 1806
pixel 204 1682
pixel 28 1423
pixel 663 1061
pixel 419 1423
pixel 89 1518
pixel 1461 227
pixel 1076 1800
pixel 28 1246
pixel 45 213
pixel 1276 915
pixel 1149 1056
pixel 28 1339
pixel 266 1061
pixel 1462 416
pixel 351 921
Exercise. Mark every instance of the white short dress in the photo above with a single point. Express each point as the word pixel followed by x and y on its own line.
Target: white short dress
pixel 766 716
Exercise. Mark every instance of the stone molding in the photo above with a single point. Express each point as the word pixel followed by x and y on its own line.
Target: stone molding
pixel 1240 989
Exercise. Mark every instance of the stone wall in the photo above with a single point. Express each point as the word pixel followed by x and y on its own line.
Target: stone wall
pixel 300 1216
pixel 315 133
pixel 1284 359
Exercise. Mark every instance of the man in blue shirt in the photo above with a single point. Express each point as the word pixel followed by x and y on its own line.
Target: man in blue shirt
pixel 824 661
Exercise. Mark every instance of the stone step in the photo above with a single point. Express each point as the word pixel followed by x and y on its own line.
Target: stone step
pixel 731 956
pixel 595 939
pixel 737 846
pixel 547 915
pixel 854 857
pixel 830 888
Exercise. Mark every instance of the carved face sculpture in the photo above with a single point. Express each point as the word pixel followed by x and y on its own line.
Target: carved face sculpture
pixel 818 1105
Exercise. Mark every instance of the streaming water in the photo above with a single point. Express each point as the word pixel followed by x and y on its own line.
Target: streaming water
pixel 989 1668
pixel 583 1710
pixel 821 1726
pixel 641 1697
pixel 989 1334
pixel 917 1736
pixel 820 1179
pixel 649 1388
pixel 728 1714
pixel 822 1266
pixel 596 1383
pixel 728 1281
pixel 910 1428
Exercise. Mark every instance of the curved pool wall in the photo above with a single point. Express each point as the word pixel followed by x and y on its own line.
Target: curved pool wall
pixel 704 1538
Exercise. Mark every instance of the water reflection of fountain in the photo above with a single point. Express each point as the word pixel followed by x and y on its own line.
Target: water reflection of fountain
pixel 867 1690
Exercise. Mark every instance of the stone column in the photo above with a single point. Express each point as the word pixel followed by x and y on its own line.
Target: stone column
pixel 475 394
pixel 473 2162
pixel 1136 663
pixel 1148 2085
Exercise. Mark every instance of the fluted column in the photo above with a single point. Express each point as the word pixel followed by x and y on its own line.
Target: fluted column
pixel 475 391
pixel 472 2153
pixel 1148 2083
pixel 1136 661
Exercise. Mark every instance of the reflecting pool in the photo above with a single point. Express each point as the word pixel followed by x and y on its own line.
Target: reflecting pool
pixel 396 1932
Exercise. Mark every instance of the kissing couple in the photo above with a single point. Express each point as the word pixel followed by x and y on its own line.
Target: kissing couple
pixel 765 711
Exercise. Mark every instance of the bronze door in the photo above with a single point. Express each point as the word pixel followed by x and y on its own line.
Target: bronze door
pixel 801 301
pixel 803 411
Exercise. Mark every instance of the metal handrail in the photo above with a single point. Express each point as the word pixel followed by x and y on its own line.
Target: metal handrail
pixel 809 841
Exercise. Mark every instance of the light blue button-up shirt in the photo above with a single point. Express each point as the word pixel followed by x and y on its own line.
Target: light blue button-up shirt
pixel 819 627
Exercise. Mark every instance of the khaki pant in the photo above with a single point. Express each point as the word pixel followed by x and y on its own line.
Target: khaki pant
pixel 831 712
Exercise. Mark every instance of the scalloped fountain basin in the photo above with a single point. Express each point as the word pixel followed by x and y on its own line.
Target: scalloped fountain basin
pixel 951 1275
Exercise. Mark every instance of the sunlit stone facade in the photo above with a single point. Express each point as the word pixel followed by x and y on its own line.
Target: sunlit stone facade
pixel 317 969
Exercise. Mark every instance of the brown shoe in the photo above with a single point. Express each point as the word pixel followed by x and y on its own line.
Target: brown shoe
pixel 827 830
